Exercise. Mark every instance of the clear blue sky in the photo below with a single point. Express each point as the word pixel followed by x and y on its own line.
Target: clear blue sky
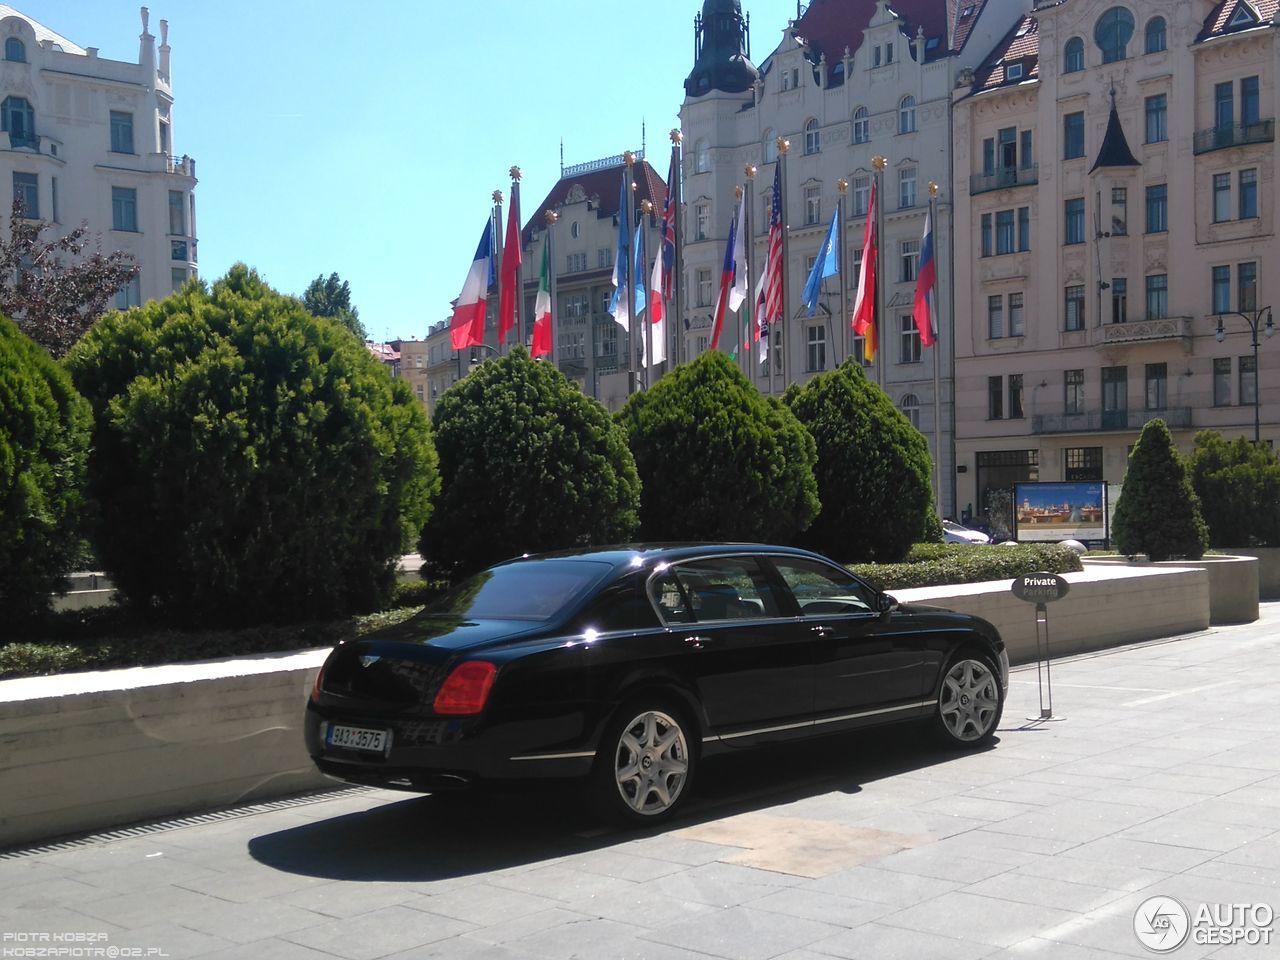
pixel 367 138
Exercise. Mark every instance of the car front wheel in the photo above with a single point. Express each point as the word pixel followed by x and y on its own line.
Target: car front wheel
pixel 644 769
pixel 970 701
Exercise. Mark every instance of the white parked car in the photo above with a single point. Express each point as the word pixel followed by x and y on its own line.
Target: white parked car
pixel 952 532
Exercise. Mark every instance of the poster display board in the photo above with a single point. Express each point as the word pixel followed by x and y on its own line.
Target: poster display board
pixel 1049 512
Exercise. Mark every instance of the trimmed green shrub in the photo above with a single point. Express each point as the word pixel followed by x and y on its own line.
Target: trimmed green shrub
pixel 528 464
pixel 1239 489
pixel 251 463
pixel 1158 513
pixel 931 565
pixel 933 531
pixel 44 441
pixel 718 460
pixel 873 468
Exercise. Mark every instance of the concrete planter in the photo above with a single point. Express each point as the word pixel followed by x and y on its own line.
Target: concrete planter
pixel 1268 569
pixel 1233 583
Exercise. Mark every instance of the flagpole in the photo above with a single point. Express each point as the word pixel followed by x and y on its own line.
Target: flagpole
pixel 550 216
pixel 497 263
pixel 518 316
pixel 784 145
pixel 646 210
pixel 749 245
pixel 842 187
pixel 677 268
pixel 937 334
pixel 877 320
pixel 630 159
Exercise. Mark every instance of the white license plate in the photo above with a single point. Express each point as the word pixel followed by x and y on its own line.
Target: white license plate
pixel 358 738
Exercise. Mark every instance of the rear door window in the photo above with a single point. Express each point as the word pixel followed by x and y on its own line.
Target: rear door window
pixel 821 590
pixel 727 588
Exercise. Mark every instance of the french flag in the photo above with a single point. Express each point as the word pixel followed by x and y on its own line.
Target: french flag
pixel 726 281
pixel 926 280
pixel 466 327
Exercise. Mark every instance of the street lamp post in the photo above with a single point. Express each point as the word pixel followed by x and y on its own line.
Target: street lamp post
pixel 1254 322
pixel 494 351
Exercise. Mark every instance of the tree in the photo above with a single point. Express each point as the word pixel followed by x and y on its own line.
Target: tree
pixel 527 464
pixel 44 441
pixel 55 289
pixel 873 468
pixel 1158 512
pixel 331 297
pixel 717 460
pixel 1239 489
pixel 250 463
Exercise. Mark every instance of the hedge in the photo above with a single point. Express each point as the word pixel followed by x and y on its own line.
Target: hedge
pixel 938 564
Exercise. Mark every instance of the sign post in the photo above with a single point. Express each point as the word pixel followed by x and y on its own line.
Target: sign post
pixel 1041 589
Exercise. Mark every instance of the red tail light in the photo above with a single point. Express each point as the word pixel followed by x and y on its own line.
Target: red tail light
pixel 466 689
pixel 315 688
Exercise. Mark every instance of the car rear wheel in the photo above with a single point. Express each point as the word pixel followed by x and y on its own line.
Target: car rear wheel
pixel 970 701
pixel 644 768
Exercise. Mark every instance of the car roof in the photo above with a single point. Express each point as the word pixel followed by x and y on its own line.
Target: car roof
pixel 624 555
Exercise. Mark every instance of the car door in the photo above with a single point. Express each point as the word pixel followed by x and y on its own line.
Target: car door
pixel 753 660
pixel 868 664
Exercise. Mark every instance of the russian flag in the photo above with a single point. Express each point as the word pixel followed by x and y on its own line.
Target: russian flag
pixel 926 280
pixel 726 280
pixel 467 324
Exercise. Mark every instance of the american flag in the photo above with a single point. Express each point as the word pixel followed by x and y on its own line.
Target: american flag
pixel 773 262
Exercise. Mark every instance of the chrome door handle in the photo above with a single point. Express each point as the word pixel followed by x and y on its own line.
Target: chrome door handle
pixel 697 642
pixel 823 631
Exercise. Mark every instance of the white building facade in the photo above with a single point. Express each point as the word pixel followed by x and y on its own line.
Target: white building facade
pixel 86 139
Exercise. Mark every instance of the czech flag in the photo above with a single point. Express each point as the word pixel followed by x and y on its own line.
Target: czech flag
pixel 467 324
pixel 726 279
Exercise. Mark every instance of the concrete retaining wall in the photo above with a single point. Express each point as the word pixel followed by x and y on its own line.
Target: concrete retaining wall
pixel 1233 583
pixel 1268 569
pixel 89 751
pixel 1105 607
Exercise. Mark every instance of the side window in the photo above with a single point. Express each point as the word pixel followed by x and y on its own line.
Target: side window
pixel 822 591
pixel 728 588
pixel 622 606
pixel 670 599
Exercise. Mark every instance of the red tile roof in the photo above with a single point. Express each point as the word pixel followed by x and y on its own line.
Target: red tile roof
pixel 1215 24
pixel 1019 45
pixel 602 188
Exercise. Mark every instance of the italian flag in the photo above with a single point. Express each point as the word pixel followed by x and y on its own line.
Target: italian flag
pixel 542 310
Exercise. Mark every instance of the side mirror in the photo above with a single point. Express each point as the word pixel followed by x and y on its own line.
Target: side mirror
pixel 885 604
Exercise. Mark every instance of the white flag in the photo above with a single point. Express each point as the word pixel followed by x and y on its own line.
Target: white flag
pixel 738 292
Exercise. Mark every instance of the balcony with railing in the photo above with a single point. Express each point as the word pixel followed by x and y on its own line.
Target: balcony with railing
pixel 1144 331
pixel 1003 178
pixel 1234 135
pixel 1099 421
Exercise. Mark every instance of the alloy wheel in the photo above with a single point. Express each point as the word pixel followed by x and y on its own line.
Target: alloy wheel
pixel 970 701
pixel 651 763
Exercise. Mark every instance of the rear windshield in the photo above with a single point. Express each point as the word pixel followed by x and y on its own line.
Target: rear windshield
pixel 537 590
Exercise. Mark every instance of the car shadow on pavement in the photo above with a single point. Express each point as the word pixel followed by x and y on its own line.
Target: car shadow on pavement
pixel 442 836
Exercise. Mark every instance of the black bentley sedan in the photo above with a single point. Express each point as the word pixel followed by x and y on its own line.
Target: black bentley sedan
pixel 627 665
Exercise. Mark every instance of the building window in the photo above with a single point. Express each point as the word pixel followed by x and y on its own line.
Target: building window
pixel 888 53
pixel 1119 300
pixel 1074 316
pixel 861 125
pixel 1221 289
pixel 995 317
pixel 1224 110
pixel 861 196
pixel 1115 397
pixel 1157 296
pixel 1248 198
pixel 1073 56
pixel 177 214
pixel 15 50
pixel 1024 228
pixel 1119 211
pixel 1113 32
pixel 575 263
pixel 1072 136
pixel 812 204
pixel 1073 217
pixel 1015 396
pixel 1082 464
pixel 19 121
pixel 121 132
pixel 164 137
pixel 1017 325
pixel 1073 392
pixel 1248 381
pixel 910 407
pixel 1221 381
pixel 1250 102
pixel 906 187
pixel 604 257
pixel 1247 286
pixel 817 348
pixel 53 196
pixel 701 157
pixel 1157 386
pixel 1158 208
pixel 1221 197
pixel 1005 237
pixel 177 276
pixel 790 79
pixel 907 115
pixel 909 343
pixel 1156 40
pixel 130 295
pixel 1157 113
pixel 995 398
pixel 26 194
pixel 812 137
pixel 704 288
pixel 701 220
pixel 986 235
pixel 909 259
pixel 574 230
pixel 124 209
pixel 1013 71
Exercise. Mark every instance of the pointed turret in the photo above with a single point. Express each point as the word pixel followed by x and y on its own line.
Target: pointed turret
pixel 722 50
pixel 1115 150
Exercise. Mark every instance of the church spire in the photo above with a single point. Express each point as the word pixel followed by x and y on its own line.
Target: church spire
pixel 722 50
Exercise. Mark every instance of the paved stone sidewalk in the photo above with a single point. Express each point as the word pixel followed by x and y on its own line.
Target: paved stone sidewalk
pixel 1164 779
